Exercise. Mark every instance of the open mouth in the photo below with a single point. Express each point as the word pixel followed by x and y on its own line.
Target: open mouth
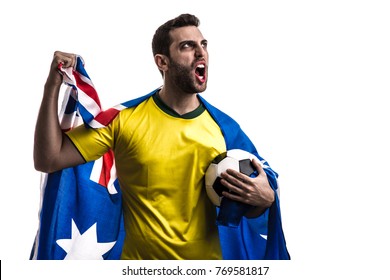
pixel 200 72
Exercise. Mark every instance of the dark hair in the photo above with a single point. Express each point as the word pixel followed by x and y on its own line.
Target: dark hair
pixel 162 40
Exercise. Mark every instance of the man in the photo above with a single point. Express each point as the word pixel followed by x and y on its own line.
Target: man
pixel 162 149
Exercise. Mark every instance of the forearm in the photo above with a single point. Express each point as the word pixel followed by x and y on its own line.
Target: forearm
pixel 52 149
pixel 48 135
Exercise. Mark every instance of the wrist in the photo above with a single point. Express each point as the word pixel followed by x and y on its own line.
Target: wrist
pixel 54 80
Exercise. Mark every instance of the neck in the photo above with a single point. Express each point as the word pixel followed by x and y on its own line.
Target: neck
pixel 180 102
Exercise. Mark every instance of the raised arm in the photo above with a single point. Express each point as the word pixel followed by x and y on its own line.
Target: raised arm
pixel 53 150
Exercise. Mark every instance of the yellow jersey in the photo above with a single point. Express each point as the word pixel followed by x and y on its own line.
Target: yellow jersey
pixel 161 159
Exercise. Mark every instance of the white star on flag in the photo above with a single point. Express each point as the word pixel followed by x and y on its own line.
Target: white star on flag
pixel 84 246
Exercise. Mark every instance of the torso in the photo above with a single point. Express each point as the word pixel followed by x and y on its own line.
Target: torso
pixel 161 161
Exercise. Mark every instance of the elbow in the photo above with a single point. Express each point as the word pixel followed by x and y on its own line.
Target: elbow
pixel 39 165
pixel 43 163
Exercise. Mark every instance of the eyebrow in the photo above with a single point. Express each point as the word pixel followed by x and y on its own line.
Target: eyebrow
pixel 191 42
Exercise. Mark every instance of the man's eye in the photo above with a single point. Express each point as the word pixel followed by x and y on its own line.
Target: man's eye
pixel 188 45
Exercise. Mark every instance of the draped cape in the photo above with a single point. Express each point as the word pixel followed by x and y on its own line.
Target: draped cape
pixel 80 215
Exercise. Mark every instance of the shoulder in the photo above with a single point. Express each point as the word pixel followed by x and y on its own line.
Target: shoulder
pixel 219 116
pixel 136 101
pixel 235 137
pixel 127 108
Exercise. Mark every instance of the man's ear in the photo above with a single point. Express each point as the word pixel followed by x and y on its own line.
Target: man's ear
pixel 161 62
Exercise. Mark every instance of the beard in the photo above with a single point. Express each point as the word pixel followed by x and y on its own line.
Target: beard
pixel 184 78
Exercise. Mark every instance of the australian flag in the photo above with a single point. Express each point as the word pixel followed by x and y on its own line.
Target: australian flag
pixel 80 214
pixel 81 210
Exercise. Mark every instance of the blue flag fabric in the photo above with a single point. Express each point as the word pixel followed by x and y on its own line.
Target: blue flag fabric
pixel 81 219
pixel 243 238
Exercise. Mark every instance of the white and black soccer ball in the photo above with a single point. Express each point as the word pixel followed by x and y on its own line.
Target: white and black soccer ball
pixel 235 159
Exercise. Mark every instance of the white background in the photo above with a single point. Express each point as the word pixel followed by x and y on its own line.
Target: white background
pixel 307 80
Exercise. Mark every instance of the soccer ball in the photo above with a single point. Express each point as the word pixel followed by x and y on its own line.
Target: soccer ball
pixel 235 159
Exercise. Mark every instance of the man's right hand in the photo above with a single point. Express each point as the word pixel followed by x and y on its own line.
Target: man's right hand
pixel 67 60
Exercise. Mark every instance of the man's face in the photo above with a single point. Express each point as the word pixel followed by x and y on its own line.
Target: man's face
pixel 188 61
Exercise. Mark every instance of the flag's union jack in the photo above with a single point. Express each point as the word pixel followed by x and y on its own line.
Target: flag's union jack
pixel 81 99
